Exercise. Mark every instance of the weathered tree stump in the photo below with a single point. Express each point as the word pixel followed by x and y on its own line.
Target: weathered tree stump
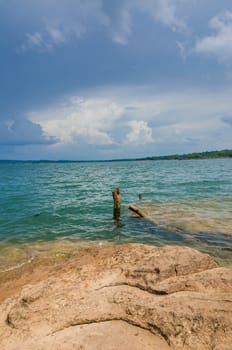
pixel 117 203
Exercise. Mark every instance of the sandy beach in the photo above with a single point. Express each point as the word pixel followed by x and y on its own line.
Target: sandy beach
pixel 110 296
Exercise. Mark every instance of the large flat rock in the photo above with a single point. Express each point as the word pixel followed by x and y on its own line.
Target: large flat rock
pixel 110 335
pixel 118 297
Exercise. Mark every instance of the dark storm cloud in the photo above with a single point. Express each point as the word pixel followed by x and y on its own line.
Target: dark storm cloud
pixel 22 132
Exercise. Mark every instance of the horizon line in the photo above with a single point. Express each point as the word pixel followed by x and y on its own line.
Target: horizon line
pixel 160 157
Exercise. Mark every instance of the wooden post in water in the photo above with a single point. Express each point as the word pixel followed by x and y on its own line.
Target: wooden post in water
pixel 117 202
pixel 140 196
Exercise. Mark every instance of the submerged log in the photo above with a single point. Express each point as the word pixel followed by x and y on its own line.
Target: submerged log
pixel 137 210
pixel 142 214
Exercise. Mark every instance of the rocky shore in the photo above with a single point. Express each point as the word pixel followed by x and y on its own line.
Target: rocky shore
pixel 123 297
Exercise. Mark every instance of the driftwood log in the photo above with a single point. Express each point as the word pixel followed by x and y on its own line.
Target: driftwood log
pixel 142 214
pixel 137 211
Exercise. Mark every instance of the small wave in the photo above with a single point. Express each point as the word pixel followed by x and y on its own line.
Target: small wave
pixel 18 266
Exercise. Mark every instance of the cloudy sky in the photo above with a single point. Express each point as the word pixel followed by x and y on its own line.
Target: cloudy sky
pixel 104 79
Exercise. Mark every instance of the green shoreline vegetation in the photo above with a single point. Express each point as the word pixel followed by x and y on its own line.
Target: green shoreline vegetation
pixel 202 155
pixel 227 153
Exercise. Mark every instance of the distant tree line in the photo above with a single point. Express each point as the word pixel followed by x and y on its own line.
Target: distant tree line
pixel 202 155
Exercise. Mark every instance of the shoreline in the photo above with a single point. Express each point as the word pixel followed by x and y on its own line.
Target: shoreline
pixel 14 256
pixel 47 256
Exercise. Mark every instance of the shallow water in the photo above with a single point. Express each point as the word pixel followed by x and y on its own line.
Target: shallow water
pixel 189 201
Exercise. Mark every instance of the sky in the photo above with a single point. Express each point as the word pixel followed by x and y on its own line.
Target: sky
pixel 109 79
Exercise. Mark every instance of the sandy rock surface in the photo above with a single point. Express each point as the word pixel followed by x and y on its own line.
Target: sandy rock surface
pixel 118 297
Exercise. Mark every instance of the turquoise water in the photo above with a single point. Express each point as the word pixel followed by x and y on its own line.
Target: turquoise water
pixel 189 201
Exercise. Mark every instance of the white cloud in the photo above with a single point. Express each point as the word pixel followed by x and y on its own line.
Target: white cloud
pixel 220 42
pixel 124 27
pixel 183 49
pixel 56 35
pixel 80 120
pixel 140 134
pixel 162 11
pixel 165 12
pixel 121 117
pixel 35 41
pixel 56 23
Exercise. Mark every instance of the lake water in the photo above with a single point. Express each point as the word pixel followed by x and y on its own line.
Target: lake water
pixel 190 203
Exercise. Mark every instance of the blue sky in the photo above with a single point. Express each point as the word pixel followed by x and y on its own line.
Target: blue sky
pixel 103 79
